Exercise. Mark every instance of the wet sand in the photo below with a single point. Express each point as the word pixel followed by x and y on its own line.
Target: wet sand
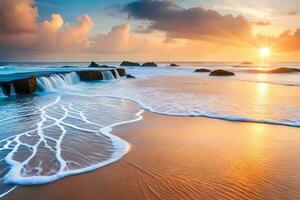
pixel 189 158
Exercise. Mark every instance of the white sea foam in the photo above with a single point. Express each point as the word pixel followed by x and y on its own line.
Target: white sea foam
pixel 25 172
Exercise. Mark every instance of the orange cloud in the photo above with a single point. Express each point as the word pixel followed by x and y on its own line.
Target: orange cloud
pixel 121 40
pixel 20 30
pixel 17 16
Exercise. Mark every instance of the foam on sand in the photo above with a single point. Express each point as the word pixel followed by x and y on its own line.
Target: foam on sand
pixel 47 154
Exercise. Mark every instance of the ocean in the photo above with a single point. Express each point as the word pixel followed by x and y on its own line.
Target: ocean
pixel 65 128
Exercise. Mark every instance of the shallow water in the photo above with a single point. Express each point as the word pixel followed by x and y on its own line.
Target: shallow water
pixel 65 128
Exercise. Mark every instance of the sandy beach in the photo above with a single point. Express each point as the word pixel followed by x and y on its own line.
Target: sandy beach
pixel 189 158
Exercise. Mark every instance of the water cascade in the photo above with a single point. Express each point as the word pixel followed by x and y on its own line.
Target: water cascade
pixel 12 90
pixel 57 81
pixel 108 75
pixel 116 73
pixel 2 94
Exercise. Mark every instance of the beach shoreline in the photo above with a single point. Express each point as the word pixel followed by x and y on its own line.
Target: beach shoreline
pixel 189 158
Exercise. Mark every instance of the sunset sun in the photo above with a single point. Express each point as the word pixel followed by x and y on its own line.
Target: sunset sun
pixel 264 52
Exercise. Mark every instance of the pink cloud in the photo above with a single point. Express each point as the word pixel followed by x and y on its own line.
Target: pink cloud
pixel 17 16
pixel 120 40
pixel 20 30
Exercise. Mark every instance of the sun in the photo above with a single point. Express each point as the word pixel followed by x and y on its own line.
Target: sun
pixel 264 52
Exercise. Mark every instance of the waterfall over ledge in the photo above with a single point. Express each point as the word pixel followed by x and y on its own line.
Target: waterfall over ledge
pixel 54 79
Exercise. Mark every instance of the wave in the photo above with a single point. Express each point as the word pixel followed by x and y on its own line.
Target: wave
pixel 222 117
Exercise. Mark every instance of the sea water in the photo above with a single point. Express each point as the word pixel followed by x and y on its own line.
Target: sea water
pixel 65 127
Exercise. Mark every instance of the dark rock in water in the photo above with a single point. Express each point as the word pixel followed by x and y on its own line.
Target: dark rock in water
pixel 90 75
pixel 25 86
pixel 121 72
pixel 93 64
pixel 283 70
pixel 129 76
pixel 247 63
pixel 221 72
pixel 128 63
pixel 202 70
pixel 21 86
pixel 149 64
pixel 173 65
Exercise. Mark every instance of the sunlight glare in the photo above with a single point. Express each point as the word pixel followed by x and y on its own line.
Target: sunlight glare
pixel 264 52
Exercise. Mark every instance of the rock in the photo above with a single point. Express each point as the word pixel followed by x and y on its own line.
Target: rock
pixel 21 86
pixel 283 70
pixel 221 72
pixel 247 63
pixel 202 70
pixel 25 86
pixel 121 72
pixel 90 75
pixel 173 65
pixel 93 64
pixel 149 64
pixel 128 63
pixel 129 76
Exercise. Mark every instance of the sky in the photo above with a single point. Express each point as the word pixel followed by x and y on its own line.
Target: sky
pixel 156 30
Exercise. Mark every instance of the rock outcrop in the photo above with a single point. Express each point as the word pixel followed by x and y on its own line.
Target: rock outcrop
pixel 21 86
pixel 202 70
pixel 283 70
pixel 247 63
pixel 129 76
pixel 128 63
pixel 90 75
pixel 173 65
pixel 93 64
pixel 121 72
pixel 149 64
pixel 26 83
pixel 221 72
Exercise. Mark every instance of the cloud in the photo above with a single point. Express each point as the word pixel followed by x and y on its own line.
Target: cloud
pixel 293 13
pixel 17 16
pixel 21 33
pixel 190 23
pixel 261 23
pixel 288 41
pixel 20 30
pixel 121 40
